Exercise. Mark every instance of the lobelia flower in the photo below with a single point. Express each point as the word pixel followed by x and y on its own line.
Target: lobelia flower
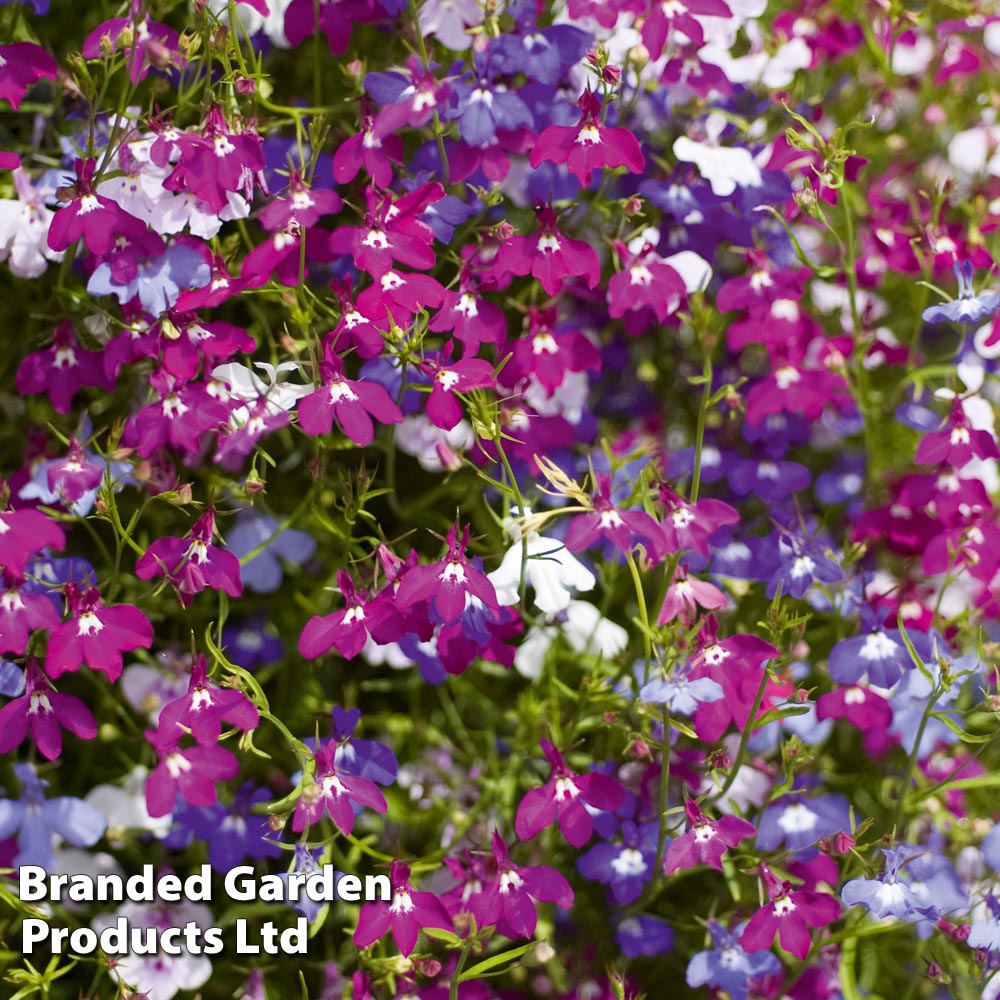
pixel 304 18
pixel 627 867
pixel 623 529
pixel 548 353
pixel 507 901
pixel 583 627
pixel 203 709
pixel 335 793
pixel 62 369
pixel 192 563
pixel 443 409
pixel 22 534
pixel 705 840
pixel 98 220
pixel 271 542
pixel 548 255
pixel 646 280
pixel 46 713
pixel 352 402
pixel 685 595
pixel 728 966
pixel 35 819
pixel 589 146
pixel 484 107
pixel 22 611
pixel 564 798
pixel 374 152
pixel 191 772
pixel 802 563
pixel 24 230
pixel 680 693
pixel 798 822
pixel 879 653
pixel 22 65
pixel 449 583
pixel 408 912
pixel 887 895
pixel 346 629
pixel 95 634
pixel 233 832
pixel 863 708
pixel 644 935
pixel 788 916
pixel 724 167
pixel 968 307
pixel 957 444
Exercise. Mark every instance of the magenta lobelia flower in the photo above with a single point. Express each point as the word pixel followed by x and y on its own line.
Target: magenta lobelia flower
pixel 588 146
pixel 192 563
pixel 22 534
pixel 205 707
pixel 21 612
pixel 565 797
pixel 334 793
pixel 22 65
pixel 705 841
pixel 788 915
pixel 369 150
pixel 46 713
pixel 347 629
pixel 192 772
pixel 624 529
pixel 443 408
pixel 96 635
pixel 62 369
pixel 409 911
pixel 449 583
pixel 352 402
pixel 508 900
pixel 73 476
pixel 548 255
pixel 95 218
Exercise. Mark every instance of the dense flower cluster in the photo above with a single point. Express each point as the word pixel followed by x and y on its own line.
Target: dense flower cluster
pixel 546 452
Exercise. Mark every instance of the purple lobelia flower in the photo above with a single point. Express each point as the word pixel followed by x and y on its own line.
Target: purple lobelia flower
pixel 305 864
pixel 644 935
pixel 728 966
pixel 508 900
pixel 46 713
pixel 365 758
pixel 409 911
pixel 968 307
pixel 803 561
pixel 888 895
pixel 270 542
pixel 626 867
pixel 798 822
pixel 565 798
pixel 35 819
pixel 788 916
pixel 878 652
pixel 705 840
pixel 233 832
pixel 484 107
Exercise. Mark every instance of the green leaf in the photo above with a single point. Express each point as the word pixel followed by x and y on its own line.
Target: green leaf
pixel 493 961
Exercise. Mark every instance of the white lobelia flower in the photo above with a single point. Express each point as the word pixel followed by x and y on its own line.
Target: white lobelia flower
pixel 552 571
pixel 724 167
pixel 247 385
pixel 585 631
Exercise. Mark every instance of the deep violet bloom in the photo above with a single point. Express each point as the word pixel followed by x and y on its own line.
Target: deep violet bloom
pixel 409 911
pixel 34 819
pixel 788 916
pixel 564 798
pixel 46 712
pixel 271 543
pixel 879 652
pixel 644 935
pixel 728 966
pixel 233 832
pixel 705 840
pixel 625 867
pixel 508 900
pixel 484 107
